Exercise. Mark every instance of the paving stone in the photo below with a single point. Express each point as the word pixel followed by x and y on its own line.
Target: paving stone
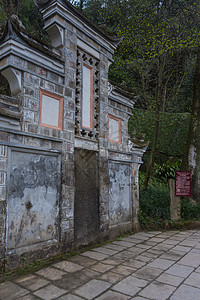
pixel 68 266
pixel 195 251
pixel 130 285
pixel 156 232
pixel 132 240
pixel 83 260
pixel 123 243
pixel 139 236
pixel 50 292
pixel 124 270
pixel 76 279
pixel 182 249
pixel 94 255
pixel 32 282
pixel 170 279
pixel 112 277
pixel 110 261
pixel 156 252
pixel 136 250
pixel 142 246
pixel 110 295
pixel 27 297
pixel 114 247
pixel 171 241
pixel 178 238
pixel 11 291
pixel 198 270
pixel 148 273
pixel 106 251
pixel 102 268
pixel 69 297
pixel 92 289
pixel 186 292
pixel 150 255
pixel 191 259
pixel 197 245
pixel 166 234
pixel 179 270
pixel 193 279
pixel 150 243
pixel 138 298
pixel 161 263
pixel 188 243
pixel 51 273
pixel 172 255
pixel 162 247
pixel 142 234
pixel 136 272
pixel 157 240
pixel 134 264
pixel 124 255
pixel 157 291
pixel 143 258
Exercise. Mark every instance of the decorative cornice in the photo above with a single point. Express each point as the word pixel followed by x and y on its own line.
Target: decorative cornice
pixel 111 38
pixel 119 94
pixel 20 35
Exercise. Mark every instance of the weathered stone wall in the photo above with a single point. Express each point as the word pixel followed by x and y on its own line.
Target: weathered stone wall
pixel 56 76
pixel 3 174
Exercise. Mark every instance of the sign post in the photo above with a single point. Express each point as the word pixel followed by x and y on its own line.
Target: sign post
pixel 183 183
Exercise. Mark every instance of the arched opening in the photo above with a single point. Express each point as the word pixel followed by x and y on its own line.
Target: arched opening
pixel 13 77
pixel 4 86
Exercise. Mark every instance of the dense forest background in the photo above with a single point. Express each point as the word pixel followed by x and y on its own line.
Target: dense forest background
pixel 155 60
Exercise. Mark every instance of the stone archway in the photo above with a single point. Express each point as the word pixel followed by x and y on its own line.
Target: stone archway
pixel 4 86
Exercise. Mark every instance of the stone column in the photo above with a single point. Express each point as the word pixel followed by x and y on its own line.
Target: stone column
pixel 175 202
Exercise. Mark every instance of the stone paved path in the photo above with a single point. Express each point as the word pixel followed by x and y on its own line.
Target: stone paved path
pixel 146 265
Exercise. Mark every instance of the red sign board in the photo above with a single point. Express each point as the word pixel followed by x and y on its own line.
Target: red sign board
pixel 183 183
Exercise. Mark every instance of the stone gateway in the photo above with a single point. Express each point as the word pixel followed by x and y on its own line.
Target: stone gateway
pixel 68 170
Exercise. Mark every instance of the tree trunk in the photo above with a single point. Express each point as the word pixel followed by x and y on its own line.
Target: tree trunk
pixel 157 121
pixel 191 160
pixel 153 150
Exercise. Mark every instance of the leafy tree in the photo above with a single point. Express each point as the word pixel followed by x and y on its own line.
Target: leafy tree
pixel 191 160
pixel 32 19
pixel 157 52
pixel 79 4
pixel 2 16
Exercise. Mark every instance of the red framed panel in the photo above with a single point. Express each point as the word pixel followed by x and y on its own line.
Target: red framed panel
pixel 60 110
pixel 91 97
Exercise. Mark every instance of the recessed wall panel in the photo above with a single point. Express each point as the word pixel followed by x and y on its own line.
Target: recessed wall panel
pixel 51 110
pixel 120 209
pixel 87 97
pixel 33 198
pixel 114 127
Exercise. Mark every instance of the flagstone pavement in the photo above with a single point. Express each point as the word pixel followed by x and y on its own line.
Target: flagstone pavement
pixel 145 265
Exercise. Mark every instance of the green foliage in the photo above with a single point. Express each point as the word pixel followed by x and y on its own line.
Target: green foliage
pixel 172 133
pixel 189 210
pixel 154 203
pixel 2 15
pixel 154 209
pixel 167 170
pixel 32 19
